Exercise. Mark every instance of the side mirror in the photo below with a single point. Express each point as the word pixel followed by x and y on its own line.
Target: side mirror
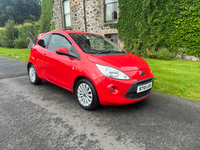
pixel 62 51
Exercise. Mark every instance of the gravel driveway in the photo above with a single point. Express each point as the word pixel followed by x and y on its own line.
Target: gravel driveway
pixel 47 117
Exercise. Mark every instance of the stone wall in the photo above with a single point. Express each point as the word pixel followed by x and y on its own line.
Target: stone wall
pixel 94 11
pixel 77 15
pixel 57 15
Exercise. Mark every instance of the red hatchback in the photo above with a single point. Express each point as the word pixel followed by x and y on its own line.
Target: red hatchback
pixel 97 70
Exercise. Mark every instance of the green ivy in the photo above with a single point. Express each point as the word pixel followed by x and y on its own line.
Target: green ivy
pixel 152 24
pixel 52 27
pixel 47 13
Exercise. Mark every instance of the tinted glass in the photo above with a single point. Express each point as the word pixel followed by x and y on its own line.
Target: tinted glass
pixel 90 43
pixel 58 41
pixel 44 41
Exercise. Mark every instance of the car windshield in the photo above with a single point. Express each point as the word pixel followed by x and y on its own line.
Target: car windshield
pixel 95 44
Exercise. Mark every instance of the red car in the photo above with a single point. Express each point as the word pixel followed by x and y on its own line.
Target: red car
pixel 95 69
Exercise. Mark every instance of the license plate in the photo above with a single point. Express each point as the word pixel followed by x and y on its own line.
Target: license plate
pixel 144 87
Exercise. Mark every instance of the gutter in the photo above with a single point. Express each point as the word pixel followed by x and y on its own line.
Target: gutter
pixel 84 16
pixel 61 13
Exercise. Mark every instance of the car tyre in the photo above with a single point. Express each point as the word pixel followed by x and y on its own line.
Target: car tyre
pixel 33 77
pixel 86 94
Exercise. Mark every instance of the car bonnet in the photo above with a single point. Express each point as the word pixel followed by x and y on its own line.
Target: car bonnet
pixel 123 62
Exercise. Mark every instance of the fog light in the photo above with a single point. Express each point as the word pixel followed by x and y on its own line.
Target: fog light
pixel 111 89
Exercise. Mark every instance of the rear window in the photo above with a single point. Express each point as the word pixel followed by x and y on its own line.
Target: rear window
pixel 44 41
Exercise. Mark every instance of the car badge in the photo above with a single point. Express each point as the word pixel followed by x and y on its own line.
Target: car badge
pixel 142 73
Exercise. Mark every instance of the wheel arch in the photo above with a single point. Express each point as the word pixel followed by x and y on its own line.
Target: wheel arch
pixel 28 65
pixel 78 79
pixel 95 102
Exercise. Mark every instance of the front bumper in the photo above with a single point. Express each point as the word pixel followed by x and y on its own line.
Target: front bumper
pixel 132 92
pixel 123 91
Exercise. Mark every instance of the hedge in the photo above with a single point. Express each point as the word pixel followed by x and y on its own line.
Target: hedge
pixel 150 24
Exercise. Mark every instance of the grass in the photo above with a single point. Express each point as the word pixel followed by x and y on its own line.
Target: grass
pixel 13 52
pixel 179 78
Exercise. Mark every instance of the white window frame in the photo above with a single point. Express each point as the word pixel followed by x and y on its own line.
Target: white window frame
pixel 105 13
pixel 67 13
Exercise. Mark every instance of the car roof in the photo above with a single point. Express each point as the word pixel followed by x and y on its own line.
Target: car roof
pixel 73 31
pixel 65 31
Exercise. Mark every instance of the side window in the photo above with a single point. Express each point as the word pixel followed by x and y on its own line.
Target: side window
pixel 44 41
pixel 58 41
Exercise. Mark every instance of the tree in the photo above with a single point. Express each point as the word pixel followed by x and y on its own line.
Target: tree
pixel 10 33
pixel 19 10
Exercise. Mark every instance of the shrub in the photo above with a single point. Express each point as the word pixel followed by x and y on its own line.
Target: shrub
pixel 36 29
pixel 1 36
pixel 9 35
pixel 161 53
pixel 21 42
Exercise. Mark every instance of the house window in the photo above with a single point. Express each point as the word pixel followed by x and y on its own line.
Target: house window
pixel 67 17
pixel 112 37
pixel 110 10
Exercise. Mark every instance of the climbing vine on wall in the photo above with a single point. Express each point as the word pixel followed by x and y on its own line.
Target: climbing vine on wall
pixel 150 24
pixel 47 12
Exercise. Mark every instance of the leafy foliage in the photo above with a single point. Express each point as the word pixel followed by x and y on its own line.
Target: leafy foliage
pixel 8 34
pixel 15 36
pixel 47 12
pixel 152 24
pixel 1 35
pixel 161 53
pixel 22 41
pixel 52 27
pixel 19 10
pixel 185 26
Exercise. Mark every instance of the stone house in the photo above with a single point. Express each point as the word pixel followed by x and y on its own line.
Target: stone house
pixel 87 15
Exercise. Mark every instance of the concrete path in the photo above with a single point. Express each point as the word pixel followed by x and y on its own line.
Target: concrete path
pixel 12 68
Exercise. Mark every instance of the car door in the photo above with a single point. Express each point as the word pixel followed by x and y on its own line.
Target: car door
pixel 40 54
pixel 58 68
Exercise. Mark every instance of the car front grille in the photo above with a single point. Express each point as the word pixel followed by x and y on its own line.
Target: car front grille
pixel 132 92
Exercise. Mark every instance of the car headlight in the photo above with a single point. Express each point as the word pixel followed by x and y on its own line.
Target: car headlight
pixel 112 72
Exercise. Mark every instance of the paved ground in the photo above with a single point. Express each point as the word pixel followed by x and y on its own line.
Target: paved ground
pixel 47 117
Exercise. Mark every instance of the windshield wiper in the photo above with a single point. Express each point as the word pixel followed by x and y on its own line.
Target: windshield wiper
pixel 102 52
pixel 109 51
pixel 118 52
pixel 91 52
